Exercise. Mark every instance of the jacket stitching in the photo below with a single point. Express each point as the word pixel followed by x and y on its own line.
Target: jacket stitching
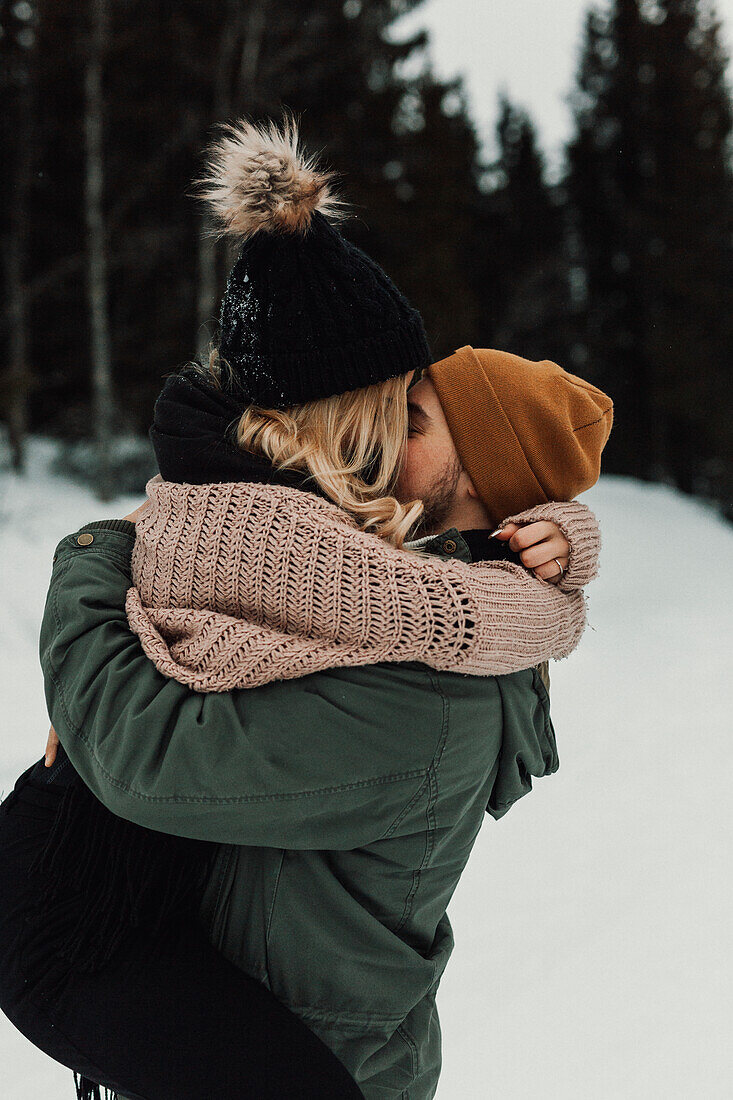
pixel 432 777
pixel 435 679
pixel 429 848
pixel 410 1043
pixel 287 795
pixel 445 703
pixel 406 809
pixel 223 801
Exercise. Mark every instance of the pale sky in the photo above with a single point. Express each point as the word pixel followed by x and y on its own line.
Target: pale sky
pixel 530 47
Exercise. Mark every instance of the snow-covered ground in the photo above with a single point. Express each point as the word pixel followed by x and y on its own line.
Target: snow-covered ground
pixel 594 955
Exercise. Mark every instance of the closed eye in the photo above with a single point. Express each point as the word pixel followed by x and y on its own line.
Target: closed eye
pixel 418 419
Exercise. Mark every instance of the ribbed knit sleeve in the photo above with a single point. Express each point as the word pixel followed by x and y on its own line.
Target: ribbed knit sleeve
pixel 236 585
pixel 515 622
pixel 580 527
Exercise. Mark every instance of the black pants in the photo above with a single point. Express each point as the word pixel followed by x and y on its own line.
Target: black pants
pixel 185 1024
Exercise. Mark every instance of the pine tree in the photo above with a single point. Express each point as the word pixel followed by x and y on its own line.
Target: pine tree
pixel 650 184
pixel 405 145
pixel 97 246
pixel 520 255
pixel 691 250
pixel 419 211
pixel 18 50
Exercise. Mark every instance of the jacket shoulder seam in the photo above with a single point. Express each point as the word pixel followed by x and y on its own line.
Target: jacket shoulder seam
pixel 67 555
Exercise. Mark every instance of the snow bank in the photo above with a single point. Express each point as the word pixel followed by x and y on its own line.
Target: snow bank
pixel 593 947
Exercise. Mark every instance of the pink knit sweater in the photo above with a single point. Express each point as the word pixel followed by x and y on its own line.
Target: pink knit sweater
pixel 239 584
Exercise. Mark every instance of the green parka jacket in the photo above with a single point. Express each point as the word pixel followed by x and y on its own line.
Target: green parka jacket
pixel 346 804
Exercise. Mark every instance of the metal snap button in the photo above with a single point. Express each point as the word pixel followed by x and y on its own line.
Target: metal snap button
pixel 86 538
pixel 450 546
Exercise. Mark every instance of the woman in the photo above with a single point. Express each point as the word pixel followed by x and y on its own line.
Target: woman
pixel 291 453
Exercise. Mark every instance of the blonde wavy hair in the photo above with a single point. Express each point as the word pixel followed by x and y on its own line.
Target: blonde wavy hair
pixel 352 445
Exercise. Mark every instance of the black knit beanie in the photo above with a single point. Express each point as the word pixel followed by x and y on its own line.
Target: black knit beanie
pixel 306 314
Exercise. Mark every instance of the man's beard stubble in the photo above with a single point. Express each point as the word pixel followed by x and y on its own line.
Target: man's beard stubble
pixel 438 502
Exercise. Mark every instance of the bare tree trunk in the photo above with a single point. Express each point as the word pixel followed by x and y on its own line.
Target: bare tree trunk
pixel 208 254
pixel 97 244
pixel 251 25
pixel 19 370
pixel 247 92
pixel 208 284
pixel 251 49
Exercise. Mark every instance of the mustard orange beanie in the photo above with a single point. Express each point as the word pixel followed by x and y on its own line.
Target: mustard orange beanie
pixel 525 432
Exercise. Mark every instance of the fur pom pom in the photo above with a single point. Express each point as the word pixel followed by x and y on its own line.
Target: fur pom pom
pixel 257 179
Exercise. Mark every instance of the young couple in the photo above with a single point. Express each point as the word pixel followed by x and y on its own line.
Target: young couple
pixel 288 687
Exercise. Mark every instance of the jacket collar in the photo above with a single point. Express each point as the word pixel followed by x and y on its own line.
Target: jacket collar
pixel 448 544
pixel 466 546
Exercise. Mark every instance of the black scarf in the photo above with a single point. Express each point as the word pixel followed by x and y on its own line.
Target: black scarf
pixel 193 434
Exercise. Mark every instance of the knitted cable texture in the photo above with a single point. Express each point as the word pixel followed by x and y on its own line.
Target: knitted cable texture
pixel 239 584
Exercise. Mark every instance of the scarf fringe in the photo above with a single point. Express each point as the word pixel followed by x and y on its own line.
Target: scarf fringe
pixel 105 878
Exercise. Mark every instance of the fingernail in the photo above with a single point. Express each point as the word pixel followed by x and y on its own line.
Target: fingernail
pixel 46 762
pixel 495 533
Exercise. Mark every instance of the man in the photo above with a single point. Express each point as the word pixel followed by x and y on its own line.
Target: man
pixel 465 452
pixel 347 803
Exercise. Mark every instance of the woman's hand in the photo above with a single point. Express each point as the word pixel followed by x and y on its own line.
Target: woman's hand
pixel 538 544
pixel 51 746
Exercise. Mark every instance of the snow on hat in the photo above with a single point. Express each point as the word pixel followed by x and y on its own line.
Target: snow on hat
pixel 306 314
